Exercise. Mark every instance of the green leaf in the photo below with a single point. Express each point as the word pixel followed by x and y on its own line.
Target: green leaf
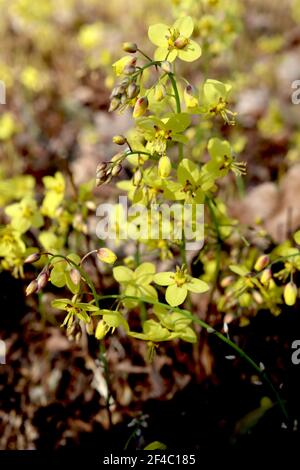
pixel 155 445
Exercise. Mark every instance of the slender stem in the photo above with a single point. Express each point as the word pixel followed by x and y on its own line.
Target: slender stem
pixel 219 335
pixel 178 107
pixel 175 89
pixel 145 55
pixel 154 63
pixel 218 252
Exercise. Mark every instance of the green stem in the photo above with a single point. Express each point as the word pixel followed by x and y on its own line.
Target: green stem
pixel 219 335
pixel 178 107
pixel 143 310
pixel 145 55
pixel 154 63
pixel 219 249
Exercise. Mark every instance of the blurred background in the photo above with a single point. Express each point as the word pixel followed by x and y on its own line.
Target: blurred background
pixel 56 64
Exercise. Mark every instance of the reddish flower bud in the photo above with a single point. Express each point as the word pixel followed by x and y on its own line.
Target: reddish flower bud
pixel 140 107
pixel 261 262
pixel 32 258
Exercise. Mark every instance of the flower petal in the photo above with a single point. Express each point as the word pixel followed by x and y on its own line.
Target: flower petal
pixel 145 268
pixel 176 295
pixel 172 55
pixel 191 52
pixel 164 279
pixel 148 292
pixel 185 25
pixel 122 274
pixel 197 286
pixel 157 34
pixel 161 53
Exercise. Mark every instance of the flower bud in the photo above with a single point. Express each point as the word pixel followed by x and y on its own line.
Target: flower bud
pixel 75 276
pixel 118 156
pixel 90 205
pixel 257 297
pixel 181 42
pixel 118 91
pixel 101 166
pixel 245 300
pixel 71 330
pixel 129 69
pixel 78 336
pixel 42 280
pixel 226 281
pixel 164 166
pixel 137 178
pixel 266 276
pixel 133 90
pixel 189 97
pixel 89 328
pixel 101 330
pixel 130 47
pixel 116 170
pixel 290 293
pixel 140 107
pixel 261 262
pixel 166 66
pixel 32 287
pixel 32 258
pixel 124 99
pixel 114 104
pixel 160 92
pixel 101 174
pixel 229 317
pixel 106 256
pixel 119 139
pixel 99 182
